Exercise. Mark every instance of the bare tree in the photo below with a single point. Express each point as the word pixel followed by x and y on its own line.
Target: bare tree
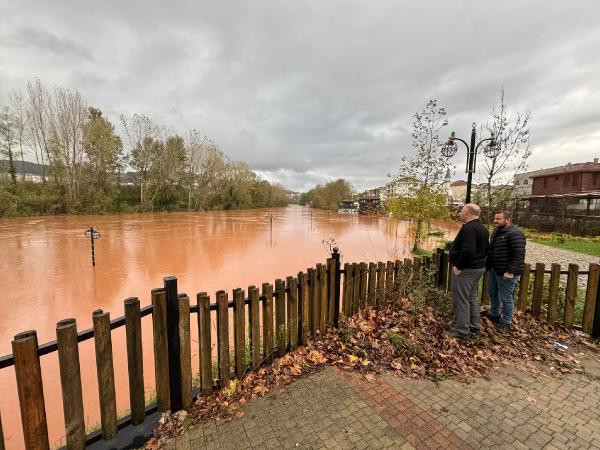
pixel 142 134
pixel 68 127
pixel 37 113
pixel 512 131
pixel 17 103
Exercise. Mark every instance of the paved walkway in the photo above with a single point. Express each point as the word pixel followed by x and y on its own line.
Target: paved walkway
pixel 545 254
pixel 340 410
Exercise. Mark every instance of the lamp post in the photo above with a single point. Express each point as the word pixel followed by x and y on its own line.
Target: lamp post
pixel 92 233
pixel 491 150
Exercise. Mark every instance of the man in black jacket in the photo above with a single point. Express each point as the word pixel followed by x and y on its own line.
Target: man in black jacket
pixel 505 266
pixel 467 256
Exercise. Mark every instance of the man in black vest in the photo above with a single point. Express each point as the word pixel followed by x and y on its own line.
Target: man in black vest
pixel 505 266
pixel 467 256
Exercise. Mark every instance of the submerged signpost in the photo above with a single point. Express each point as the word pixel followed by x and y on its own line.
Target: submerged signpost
pixel 92 233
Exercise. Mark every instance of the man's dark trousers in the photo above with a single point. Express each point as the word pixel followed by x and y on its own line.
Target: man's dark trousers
pixel 464 298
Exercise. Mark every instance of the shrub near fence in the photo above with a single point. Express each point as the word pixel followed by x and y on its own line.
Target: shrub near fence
pixel 265 325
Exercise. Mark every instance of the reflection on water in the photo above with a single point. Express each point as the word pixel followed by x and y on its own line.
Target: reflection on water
pixel 47 275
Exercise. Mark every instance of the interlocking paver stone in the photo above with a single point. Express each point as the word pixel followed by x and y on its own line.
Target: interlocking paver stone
pixel 334 409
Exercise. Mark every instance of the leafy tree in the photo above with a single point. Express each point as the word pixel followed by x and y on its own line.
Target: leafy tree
pixel 328 196
pixel 423 172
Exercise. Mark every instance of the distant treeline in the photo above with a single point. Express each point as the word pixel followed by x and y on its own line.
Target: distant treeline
pixel 81 162
pixel 327 196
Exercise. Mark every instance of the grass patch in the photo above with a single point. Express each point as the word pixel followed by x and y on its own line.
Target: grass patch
pixel 587 248
pixel 579 244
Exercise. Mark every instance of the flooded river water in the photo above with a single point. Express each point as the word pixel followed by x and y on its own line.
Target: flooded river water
pixel 46 276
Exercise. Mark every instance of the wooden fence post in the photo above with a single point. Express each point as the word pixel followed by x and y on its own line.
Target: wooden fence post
pixel 161 348
pixel 338 286
pixel 31 390
pixel 2 446
pixel 185 351
pixel 553 294
pixel 292 288
pixel 485 299
pixel 106 374
pixel 135 361
pixel 372 289
pixel 355 288
pixel 538 289
pixel 223 337
pixel 435 265
pixel 445 263
pixel 590 297
pixel 389 278
pixel 380 283
pixel 397 275
pixel 323 298
pixel 315 288
pixel 417 269
pixel 174 343
pixel 571 295
pixel 254 322
pixel 267 291
pixel 70 381
pixel 524 288
pixel 205 345
pixel 239 320
pixel 280 316
pixel 331 279
pixel 363 285
pixel 347 288
pixel 302 277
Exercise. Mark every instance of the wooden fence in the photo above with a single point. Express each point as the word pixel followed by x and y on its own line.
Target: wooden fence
pixel 266 324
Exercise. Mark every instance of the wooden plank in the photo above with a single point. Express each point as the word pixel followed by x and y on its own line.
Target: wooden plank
pixel 254 320
pixel 407 273
pixel 372 284
pixel 397 275
pixel 70 381
pixel 267 291
pixel 331 271
pixel 355 287
pixel 445 264
pixel 2 445
pixel 206 380
pixel 551 314
pixel 323 305
pixel 106 374
pixel 280 317
pixel 524 288
pixel 347 289
pixel 389 278
pixel 485 298
pixel 303 278
pixel 239 320
pixel 161 349
pixel 571 295
pixel 590 297
pixel 292 293
pixel 185 351
pixel 435 268
pixel 31 390
pixel 363 268
pixel 418 269
pixel 223 337
pixel 538 289
pixel 311 282
pixel 380 283
pixel 316 301
pixel 135 360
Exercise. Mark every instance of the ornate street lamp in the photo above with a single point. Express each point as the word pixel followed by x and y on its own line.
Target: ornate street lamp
pixel 491 150
pixel 92 233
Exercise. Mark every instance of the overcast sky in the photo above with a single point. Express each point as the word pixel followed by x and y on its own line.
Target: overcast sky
pixel 307 92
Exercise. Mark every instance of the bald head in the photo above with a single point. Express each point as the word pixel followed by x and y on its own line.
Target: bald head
pixel 469 212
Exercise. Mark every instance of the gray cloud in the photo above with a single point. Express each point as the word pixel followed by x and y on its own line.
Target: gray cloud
pixel 307 92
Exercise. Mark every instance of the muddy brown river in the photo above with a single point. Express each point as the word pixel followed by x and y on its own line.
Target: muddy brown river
pixel 46 275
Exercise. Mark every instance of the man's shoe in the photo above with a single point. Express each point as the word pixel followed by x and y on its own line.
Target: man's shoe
pixel 503 328
pixel 458 335
pixel 493 319
pixel 475 332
